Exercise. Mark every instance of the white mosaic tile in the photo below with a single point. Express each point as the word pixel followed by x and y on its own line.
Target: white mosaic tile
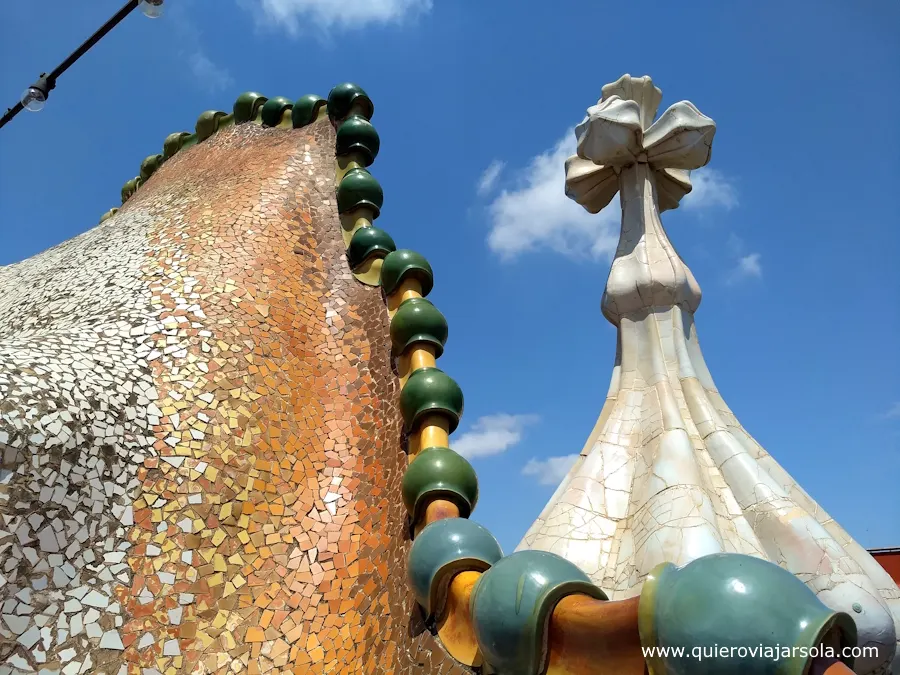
pixel 76 417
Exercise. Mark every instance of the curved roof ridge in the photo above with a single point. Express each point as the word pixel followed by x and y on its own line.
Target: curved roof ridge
pixel 249 107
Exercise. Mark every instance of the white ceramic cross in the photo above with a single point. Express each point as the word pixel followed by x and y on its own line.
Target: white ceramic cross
pixel 619 132
pixel 621 149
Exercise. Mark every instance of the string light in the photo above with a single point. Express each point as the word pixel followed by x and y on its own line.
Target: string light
pixel 35 97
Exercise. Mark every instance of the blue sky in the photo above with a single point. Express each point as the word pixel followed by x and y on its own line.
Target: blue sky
pixel 791 231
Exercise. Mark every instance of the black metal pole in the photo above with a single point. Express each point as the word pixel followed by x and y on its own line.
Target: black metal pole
pixel 127 8
pixel 11 112
pixel 94 39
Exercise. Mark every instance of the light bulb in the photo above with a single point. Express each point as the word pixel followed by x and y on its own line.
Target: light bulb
pixel 33 99
pixel 152 9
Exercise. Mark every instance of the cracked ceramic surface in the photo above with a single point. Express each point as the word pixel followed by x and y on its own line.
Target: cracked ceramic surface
pixel 200 434
pixel 668 473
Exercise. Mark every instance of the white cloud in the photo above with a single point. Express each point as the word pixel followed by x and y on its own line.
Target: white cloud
pixel 292 14
pixel 549 471
pixel 893 412
pixel 747 265
pixel 492 434
pixel 538 213
pixel 489 177
pixel 213 77
pixel 710 189
pixel 210 75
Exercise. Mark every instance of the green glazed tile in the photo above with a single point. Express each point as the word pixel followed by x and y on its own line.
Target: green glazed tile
pixel 208 123
pixel 273 110
pixel 512 602
pixel 150 165
pixel 306 109
pixel 417 320
pixel 446 548
pixel 366 243
pixel 247 106
pixel 731 601
pixel 174 143
pixel 357 135
pixel 359 188
pixel 405 264
pixel 431 390
pixel 344 97
pixel 439 473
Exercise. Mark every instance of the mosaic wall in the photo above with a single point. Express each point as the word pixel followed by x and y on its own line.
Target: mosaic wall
pixel 202 450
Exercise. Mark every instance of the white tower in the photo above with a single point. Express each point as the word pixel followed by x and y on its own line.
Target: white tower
pixel 669 474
